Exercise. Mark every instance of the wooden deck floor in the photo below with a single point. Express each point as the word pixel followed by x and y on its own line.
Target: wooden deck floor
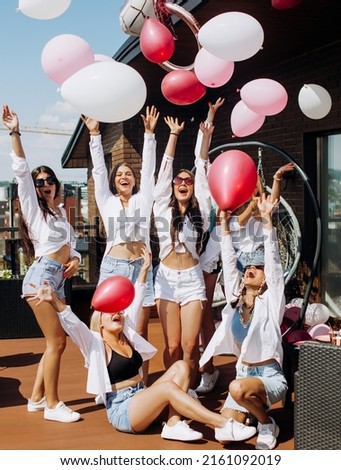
pixel 29 431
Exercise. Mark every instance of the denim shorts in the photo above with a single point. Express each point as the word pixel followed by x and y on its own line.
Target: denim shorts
pixel 273 379
pixel 117 406
pixel 131 269
pixel 180 286
pixel 48 270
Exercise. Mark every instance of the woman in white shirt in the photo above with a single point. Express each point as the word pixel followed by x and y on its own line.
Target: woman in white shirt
pixel 181 213
pixel 114 352
pixel 250 329
pixel 48 239
pixel 126 211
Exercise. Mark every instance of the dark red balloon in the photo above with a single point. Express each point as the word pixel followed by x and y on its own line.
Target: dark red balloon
pixel 113 295
pixel 232 179
pixel 156 41
pixel 283 4
pixel 182 87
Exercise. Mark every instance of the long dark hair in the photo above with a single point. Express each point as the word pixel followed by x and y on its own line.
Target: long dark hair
pixel 112 177
pixel 192 212
pixel 26 241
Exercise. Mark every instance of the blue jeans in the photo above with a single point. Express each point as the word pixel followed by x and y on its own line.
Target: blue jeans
pixel 273 379
pixel 117 406
pixel 131 269
pixel 48 270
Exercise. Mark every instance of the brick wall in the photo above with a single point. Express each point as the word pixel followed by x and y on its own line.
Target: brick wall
pixel 287 130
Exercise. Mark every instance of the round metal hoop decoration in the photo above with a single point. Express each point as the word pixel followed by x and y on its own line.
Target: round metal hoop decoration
pixel 193 25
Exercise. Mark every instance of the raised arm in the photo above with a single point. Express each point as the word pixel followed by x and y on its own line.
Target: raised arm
pixel 11 121
pixel 278 177
pixel 212 109
pixel 149 119
pixel 175 128
pixel 163 188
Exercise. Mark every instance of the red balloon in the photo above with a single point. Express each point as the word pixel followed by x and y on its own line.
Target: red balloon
pixel 232 179
pixel 182 87
pixel 283 4
pixel 113 295
pixel 156 41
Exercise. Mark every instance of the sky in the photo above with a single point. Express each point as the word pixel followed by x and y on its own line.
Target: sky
pixel 26 88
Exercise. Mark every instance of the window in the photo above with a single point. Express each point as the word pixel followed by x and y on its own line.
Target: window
pixel 329 183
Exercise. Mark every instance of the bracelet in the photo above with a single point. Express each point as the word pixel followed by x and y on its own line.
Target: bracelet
pixel 98 133
pixel 174 133
pixel 276 178
pixel 14 132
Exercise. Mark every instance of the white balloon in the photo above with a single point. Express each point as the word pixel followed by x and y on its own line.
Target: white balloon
pixel 43 9
pixel 314 101
pixel 316 313
pixel 233 36
pixel 133 15
pixel 103 57
pixel 107 91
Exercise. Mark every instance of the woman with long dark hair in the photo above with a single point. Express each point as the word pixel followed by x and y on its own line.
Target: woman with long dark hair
pixel 181 211
pixel 48 241
pixel 126 211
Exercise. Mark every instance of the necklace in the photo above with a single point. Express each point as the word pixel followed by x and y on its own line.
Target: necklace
pixel 245 323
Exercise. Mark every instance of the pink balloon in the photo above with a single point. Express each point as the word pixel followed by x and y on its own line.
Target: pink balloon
pixel 264 96
pixel 156 41
pixel 232 179
pixel 182 87
pixel 211 70
pixel 113 295
pixel 283 4
pixel 244 121
pixel 64 55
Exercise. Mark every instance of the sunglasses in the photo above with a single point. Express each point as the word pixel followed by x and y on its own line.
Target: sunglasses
pixel 257 266
pixel 188 180
pixel 39 182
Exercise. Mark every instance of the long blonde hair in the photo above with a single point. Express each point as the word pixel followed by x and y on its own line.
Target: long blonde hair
pixel 95 321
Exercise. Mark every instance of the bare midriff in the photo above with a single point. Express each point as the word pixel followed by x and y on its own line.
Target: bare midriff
pixel 179 261
pixel 62 255
pixel 259 364
pixel 128 251
pixel 127 383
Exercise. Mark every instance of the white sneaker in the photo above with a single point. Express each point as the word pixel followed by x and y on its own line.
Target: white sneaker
pixel 267 435
pixel 61 413
pixel 207 382
pixel 192 393
pixel 33 406
pixel 234 431
pixel 180 432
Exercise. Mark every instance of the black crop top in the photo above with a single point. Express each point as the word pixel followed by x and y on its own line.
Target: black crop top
pixel 123 368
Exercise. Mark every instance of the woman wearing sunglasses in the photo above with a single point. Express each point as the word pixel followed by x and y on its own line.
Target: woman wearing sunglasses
pixel 181 211
pixel 126 211
pixel 48 239
pixel 250 329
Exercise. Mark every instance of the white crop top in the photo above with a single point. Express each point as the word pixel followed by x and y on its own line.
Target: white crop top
pixel 125 224
pixel 47 235
pixel 163 213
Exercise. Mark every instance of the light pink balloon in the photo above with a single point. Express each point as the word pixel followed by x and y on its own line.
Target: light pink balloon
pixel 64 55
pixel 211 70
pixel 244 121
pixel 264 96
